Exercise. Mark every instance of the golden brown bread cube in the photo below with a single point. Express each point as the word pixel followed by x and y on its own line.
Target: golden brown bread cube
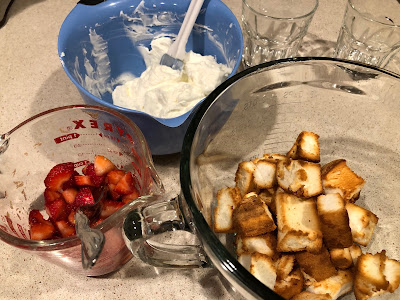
pixel 244 177
pixel 291 285
pixel 299 177
pixel 227 200
pixel 263 268
pixel 375 274
pixel 362 223
pixel 252 217
pixel 265 244
pixel 284 265
pixel 317 265
pixel 306 147
pixel 305 295
pixel 341 258
pixel 337 177
pixel 298 224
pixel 264 174
pixel 335 286
pixel 334 221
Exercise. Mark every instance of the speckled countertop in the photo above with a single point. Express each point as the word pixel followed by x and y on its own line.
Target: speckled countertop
pixel 32 80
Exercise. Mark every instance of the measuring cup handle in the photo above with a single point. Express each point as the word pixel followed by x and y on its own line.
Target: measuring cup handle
pixel 146 222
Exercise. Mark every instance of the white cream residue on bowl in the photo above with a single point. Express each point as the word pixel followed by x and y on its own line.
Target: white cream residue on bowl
pixel 141 27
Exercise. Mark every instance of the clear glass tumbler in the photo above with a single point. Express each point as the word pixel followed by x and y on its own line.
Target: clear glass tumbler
pixel 69 134
pixel 370 32
pixel 274 29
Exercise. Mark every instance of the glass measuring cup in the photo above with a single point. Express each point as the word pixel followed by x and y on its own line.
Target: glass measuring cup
pixel 69 134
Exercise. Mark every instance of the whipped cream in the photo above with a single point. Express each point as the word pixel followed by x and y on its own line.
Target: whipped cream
pixel 163 92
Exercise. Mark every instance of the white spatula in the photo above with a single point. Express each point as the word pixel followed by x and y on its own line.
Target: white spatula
pixel 176 52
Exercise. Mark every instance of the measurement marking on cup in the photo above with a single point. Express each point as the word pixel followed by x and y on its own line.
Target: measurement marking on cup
pixel 84 145
pixel 66 137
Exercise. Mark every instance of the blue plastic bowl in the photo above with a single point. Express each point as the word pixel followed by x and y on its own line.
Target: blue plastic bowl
pixel 119 26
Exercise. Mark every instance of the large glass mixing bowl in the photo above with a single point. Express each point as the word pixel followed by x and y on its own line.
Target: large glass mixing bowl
pixel 354 109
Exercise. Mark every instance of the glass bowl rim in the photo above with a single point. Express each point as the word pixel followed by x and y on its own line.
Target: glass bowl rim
pixel 226 259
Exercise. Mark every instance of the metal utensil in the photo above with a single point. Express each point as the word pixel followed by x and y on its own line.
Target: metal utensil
pixel 176 52
pixel 92 240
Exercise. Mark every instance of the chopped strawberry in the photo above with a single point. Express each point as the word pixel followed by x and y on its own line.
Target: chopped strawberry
pixel 84 180
pixel 130 197
pixel 69 195
pixel 96 222
pixel 110 207
pixel 125 185
pixel 58 175
pixel 84 197
pixel 112 194
pixel 97 180
pixel 50 195
pixel 71 217
pixel 114 176
pixel 102 165
pixel 57 210
pixel 71 182
pixel 40 229
pixel 35 217
pixel 65 228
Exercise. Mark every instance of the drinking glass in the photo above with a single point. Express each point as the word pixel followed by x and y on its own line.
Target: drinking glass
pixel 274 29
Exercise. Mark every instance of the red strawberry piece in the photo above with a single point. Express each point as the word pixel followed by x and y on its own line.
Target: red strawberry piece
pixel 71 182
pixel 102 165
pixel 57 210
pixel 50 195
pixel 125 185
pixel 84 170
pixel 84 197
pixel 114 176
pixel 65 228
pixel 58 175
pixel 69 195
pixel 84 180
pixel 109 207
pixel 40 229
pixel 71 217
pixel 112 194
pixel 97 180
pixel 97 222
pixel 130 197
pixel 35 217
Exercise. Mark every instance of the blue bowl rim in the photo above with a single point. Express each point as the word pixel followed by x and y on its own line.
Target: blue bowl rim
pixel 168 122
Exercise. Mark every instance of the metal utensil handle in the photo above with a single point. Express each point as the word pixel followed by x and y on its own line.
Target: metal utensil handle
pixel 146 222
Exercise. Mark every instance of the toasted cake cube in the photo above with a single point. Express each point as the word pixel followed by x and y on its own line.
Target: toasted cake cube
pixel 334 221
pixel 306 147
pixel 370 279
pixel 341 258
pixel 266 196
pixel 252 217
pixel 392 273
pixel 265 244
pixel 244 177
pixel 337 177
pixel 264 174
pixel 335 286
pixel 291 285
pixel 274 158
pixel 362 223
pixel 317 265
pixel 298 224
pixel 284 265
pixel 299 177
pixel 263 268
pixel 245 260
pixel 305 295
pixel 227 200
pixel 355 252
